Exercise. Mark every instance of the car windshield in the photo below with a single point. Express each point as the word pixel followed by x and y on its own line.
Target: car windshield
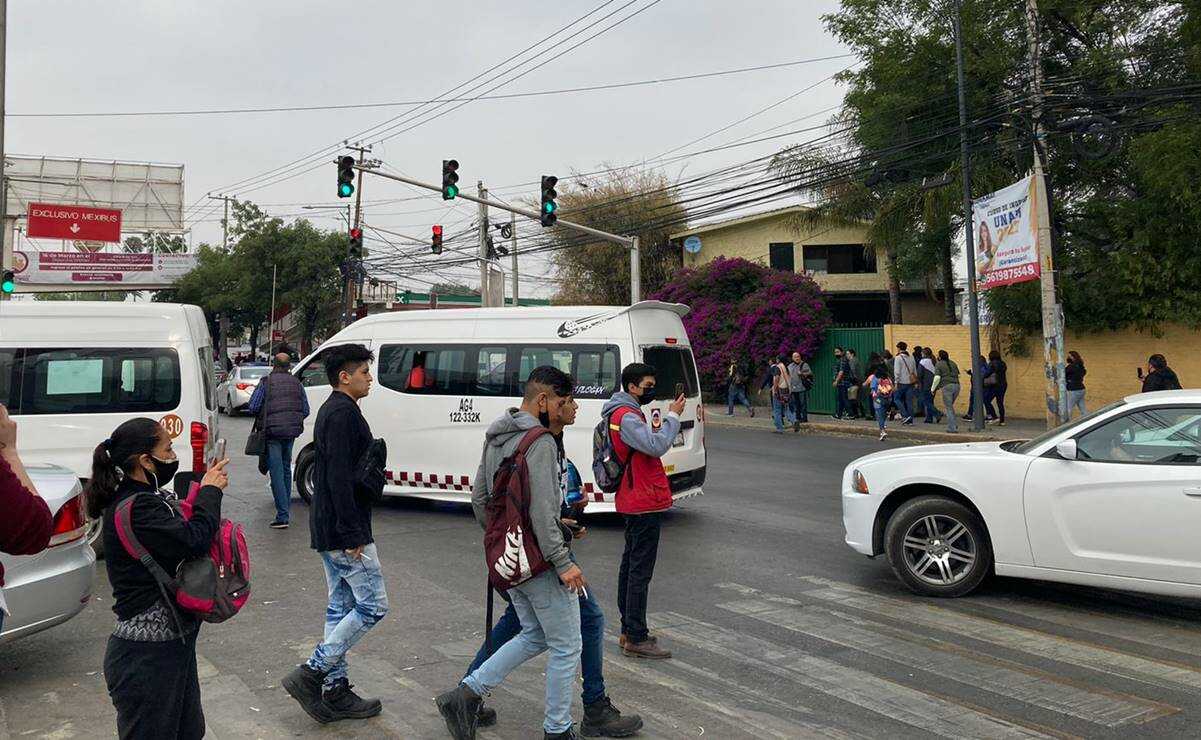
pixel 1026 447
pixel 252 373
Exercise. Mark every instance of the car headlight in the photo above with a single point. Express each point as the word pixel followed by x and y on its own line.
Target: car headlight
pixel 858 482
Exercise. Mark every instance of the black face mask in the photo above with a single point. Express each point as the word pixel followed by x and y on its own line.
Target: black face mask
pixel 164 470
pixel 648 395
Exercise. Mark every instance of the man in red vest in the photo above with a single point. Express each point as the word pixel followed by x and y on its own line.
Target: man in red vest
pixel 642 497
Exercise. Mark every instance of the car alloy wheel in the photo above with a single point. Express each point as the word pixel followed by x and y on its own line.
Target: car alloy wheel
pixel 939 550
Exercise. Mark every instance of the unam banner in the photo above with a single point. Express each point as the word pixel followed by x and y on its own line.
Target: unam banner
pixel 1006 230
pixel 106 268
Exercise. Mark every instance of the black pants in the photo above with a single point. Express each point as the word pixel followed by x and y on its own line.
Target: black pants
pixel 155 688
pixel 637 568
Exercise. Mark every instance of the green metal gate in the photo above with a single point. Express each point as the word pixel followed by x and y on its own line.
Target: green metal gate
pixel 863 341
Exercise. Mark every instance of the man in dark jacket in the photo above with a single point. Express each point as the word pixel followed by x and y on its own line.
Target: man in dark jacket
pixel 340 526
pixel 281 403
pixel 26 525
pixel 642 497
pixel 1160 377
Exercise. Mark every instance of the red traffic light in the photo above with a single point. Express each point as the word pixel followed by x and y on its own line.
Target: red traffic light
pixel 437 230
pixel 356 233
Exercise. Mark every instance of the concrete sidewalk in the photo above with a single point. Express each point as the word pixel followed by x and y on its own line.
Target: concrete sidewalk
pixel 917 432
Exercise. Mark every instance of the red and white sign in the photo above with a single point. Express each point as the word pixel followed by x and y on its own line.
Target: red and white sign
pixel 84 223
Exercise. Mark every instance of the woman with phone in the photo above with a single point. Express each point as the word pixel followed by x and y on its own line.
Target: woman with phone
pixel 150 661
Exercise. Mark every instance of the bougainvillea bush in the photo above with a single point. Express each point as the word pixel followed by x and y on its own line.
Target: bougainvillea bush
pixel 746 313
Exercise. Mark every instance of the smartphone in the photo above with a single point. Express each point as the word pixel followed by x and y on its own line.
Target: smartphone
pixel 1140 373
pixel 679 390
pixel 220 450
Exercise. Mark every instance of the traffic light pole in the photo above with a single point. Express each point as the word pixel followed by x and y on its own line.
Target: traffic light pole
pixel 629 242
pixel 485 291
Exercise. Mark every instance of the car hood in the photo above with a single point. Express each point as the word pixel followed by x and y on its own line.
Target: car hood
pixel 928 452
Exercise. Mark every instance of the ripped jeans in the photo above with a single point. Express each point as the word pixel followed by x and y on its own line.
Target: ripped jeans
pixel 357 601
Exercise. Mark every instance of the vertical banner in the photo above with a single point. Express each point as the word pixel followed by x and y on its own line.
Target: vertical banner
pixel 1006 231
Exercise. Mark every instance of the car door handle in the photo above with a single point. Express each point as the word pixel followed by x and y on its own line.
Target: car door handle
pixel 1194 492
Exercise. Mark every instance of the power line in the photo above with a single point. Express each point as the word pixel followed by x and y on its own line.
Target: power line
pixel 393 104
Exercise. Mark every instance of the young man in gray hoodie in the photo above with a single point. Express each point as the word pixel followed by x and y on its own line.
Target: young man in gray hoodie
pixel 548 604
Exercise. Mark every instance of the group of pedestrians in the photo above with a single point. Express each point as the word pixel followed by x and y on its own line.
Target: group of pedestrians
pixel 789 379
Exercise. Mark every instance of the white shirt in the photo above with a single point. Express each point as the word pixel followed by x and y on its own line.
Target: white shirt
pixel 928 364
pixel 904 369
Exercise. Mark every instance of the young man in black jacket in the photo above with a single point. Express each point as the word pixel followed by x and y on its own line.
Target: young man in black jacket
pixel 340 528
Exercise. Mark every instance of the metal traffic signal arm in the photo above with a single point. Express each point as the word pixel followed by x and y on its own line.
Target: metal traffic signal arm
pixel 629 242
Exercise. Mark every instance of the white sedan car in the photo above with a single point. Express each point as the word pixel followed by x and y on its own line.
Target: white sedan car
pixel 1112 499
pixel 234 393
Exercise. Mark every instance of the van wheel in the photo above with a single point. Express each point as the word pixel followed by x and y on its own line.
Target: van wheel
pixel 938 547
pixel 304 475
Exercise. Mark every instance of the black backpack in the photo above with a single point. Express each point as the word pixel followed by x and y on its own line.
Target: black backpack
pixel 606 467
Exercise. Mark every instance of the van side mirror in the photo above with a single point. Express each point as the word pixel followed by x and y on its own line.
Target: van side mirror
pixel 1067 449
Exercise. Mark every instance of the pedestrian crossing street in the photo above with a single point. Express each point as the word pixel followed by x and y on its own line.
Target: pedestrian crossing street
pixel 829 660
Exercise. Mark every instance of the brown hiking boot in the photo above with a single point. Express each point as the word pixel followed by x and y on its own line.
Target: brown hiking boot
pixel 622 640
pixel 645 649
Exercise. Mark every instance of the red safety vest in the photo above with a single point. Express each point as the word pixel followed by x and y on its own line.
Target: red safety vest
pixel 644 487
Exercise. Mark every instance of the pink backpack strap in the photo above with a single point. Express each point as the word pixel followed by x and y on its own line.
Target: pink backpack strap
pixel 122 519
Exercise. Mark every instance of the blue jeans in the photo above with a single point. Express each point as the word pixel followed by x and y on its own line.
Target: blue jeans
pixel 279 465
pixel 550 620
pixel 592 633
pixel 881 410
pixel 357 600
pixel 1076 401
pixel 928 410
pixel 781 410
pixel 950 392
pixel 800 406
pixel 736 394
pixel 903 399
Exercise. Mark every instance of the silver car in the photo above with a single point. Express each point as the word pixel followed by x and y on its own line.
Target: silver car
pixel 233 395
pixel 49 588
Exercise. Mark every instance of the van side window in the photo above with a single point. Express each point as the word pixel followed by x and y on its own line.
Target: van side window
pixel 206 373
pixel 94 381
pixel 431 369
pixel 313 374
pixel 595 368
pixel 10 378
pixel 484 370
pixel 492 372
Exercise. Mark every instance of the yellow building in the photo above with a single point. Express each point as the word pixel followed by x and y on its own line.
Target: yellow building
pixel 855 281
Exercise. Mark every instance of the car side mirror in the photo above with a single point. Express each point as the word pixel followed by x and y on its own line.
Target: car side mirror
pixel 1067 449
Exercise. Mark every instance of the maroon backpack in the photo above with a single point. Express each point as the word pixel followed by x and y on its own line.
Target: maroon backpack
pixel 510 550
pixel 213 587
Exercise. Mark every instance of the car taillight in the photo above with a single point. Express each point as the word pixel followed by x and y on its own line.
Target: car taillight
pixel 200 440
pixel 244 386
pixel 69 523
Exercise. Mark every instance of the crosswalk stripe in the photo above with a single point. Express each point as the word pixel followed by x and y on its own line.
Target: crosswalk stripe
pixel 1163 673
pixel 993 675
pixel 1159 632
pixel 708 700
pixel 935 714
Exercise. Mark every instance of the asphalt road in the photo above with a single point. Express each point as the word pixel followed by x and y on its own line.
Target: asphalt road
pixel 779 630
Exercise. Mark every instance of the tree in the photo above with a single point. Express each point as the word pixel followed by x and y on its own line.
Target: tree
pixel 106 295
pixel 155 242
pixel 746 313
pixel 631 202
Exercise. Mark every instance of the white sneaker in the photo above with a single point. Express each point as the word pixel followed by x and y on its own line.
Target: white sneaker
pixel 883 434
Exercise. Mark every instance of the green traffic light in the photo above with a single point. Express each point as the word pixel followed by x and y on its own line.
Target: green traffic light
pixel 452 191
pixel 345 190
pixel 8 286
pixel 550 207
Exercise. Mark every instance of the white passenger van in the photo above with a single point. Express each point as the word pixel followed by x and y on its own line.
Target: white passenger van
pixel 475 362
pixel 72 371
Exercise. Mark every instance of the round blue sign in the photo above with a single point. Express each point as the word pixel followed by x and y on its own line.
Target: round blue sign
pixel 692 244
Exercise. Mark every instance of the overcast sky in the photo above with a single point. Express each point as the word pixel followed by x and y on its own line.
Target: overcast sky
pixel 68 56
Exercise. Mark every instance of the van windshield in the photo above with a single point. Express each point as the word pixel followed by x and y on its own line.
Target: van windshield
pixel 673 367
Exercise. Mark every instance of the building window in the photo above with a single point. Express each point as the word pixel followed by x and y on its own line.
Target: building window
pixel 839 259
pixel 781 256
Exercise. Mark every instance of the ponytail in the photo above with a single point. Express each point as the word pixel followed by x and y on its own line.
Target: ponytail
pixel 114 458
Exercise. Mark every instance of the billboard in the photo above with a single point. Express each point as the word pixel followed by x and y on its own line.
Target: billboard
pixel 1005 225
pixel 149 196
pixel 87 269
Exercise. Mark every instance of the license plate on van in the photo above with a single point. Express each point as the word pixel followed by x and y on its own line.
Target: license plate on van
pixel 678 441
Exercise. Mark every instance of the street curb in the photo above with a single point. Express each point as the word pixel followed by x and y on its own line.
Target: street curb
pixel 827 428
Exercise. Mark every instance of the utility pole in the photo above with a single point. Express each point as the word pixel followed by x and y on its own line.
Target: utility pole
pixel 352 267
pixel 485 293
pixel 1056 390
pixel 976 403
pixel 225 219
pixel 635 270
pixel 513 254
pixel 271 319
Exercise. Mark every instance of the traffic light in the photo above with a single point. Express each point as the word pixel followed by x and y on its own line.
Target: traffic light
pixel 8 283
pixel 436 243
pixel 450 179
pixel 356 244
pixel 549 212
pixel 346 176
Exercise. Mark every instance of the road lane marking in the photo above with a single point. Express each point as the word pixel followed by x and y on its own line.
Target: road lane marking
pixel 1161 673
pixel 935 714
pixel 990 674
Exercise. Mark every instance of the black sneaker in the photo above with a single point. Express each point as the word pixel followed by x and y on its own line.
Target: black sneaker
pixel 568 734
pixel 601 719
pixel 304 685
pixel 460 707
pixel 486 716
pixel 277 524
pixel 342 703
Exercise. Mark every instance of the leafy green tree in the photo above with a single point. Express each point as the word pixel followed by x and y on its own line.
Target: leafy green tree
pixel 632 202
pixel 155 242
